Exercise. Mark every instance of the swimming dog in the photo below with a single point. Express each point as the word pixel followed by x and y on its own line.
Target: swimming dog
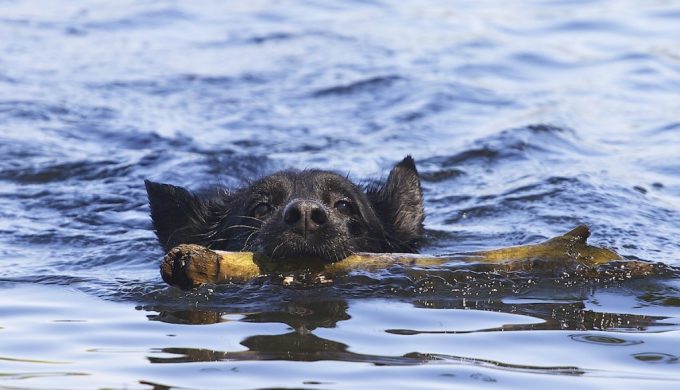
pixel 314 214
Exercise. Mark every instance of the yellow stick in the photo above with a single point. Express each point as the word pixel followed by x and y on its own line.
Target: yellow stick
pixel 188 266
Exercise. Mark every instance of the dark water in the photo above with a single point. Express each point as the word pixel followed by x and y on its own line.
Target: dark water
pixel 525 118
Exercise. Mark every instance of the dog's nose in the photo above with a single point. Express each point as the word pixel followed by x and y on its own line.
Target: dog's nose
pixel 304 216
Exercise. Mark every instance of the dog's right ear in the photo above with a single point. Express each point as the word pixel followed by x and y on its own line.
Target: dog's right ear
pixel 179 217
pixel 399 204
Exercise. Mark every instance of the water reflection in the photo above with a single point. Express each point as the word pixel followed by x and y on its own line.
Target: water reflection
pixel 556 316
pixel 604 340
pixel 657 358
pixel 302 343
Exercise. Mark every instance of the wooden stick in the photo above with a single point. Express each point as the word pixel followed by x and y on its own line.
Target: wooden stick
pixel 188 266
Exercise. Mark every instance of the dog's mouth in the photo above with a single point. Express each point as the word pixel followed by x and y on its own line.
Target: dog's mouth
pixel 303 251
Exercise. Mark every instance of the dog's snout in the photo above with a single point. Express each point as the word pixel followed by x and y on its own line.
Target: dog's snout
pixel 304 216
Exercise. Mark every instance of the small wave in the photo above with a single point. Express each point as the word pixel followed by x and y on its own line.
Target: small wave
pixel 181 83
pixel 360 86
pixel 440 175
pixel 33 110
pixel 78 170
pixel 271 37
pixel 514 144
pixel 141 20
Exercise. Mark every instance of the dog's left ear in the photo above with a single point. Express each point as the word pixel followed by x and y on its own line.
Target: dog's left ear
pixel 179 217
pixel 399 204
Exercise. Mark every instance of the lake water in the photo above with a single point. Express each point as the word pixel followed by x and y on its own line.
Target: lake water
pixel 526 118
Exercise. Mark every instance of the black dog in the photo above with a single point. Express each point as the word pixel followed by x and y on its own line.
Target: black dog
pixel 309 214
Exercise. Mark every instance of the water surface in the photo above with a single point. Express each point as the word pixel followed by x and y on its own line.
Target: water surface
pixel 525 119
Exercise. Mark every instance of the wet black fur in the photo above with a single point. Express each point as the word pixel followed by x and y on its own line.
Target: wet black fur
pixel 385 217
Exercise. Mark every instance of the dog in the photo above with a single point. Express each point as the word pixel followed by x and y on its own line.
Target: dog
pixel 309 214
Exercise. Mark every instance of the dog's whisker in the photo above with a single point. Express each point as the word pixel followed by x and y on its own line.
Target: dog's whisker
pixel 249 217
pixel 247 239
pixel 242 227
pixel 277 248
pixel 217 241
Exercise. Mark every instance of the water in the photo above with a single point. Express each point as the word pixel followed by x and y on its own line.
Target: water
pixel 525 118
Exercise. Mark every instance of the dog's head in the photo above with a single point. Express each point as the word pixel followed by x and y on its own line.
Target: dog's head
pixel 292 214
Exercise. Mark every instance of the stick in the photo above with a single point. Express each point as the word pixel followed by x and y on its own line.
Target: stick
pixel 188 266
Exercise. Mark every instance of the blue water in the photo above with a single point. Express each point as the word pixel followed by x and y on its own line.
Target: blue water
pixel 525 118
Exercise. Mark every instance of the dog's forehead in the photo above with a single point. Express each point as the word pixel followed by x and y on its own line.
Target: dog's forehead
pixel 307 183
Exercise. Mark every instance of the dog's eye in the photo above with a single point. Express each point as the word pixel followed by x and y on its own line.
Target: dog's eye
pixel 344 207
pixel 261 210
